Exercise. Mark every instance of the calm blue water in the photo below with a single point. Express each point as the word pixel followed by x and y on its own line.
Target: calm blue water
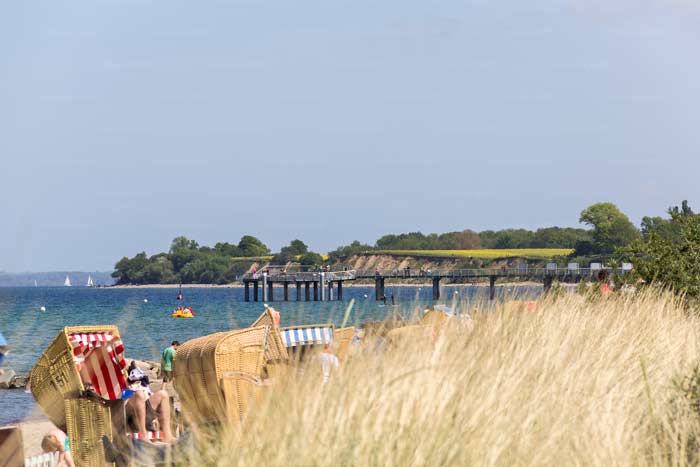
pixel 147 328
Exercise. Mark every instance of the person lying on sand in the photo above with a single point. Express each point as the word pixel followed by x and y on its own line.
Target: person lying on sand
pixel 57 441
pixel 145 406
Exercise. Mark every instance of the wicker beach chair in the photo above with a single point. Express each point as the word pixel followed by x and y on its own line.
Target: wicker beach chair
pixel 434 318
pixel 11 446
pixel 415 334
pixel 342 339
pixel 381 328
pixel 276 355
pixel 87 422
pixel 200 365
pixel 78 356
pixel 242 392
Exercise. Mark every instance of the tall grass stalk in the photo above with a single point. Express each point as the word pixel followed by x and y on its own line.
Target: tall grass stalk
pixel 572 382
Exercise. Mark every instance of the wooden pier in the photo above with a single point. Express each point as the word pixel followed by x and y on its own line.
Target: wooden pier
pixel 328 285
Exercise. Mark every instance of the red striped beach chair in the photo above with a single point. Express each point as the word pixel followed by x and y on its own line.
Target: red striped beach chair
pixel 78 382
pixel 78 358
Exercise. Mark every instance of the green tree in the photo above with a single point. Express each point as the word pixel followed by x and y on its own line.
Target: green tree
pixel 558 237
pixel 669 261
pixel 464 240
pixel 296 247
pixel 311 259
pixel 159 270
pixel 343 252
pixel 182 243
pixel 666 227
pixel 131 271
pixel 121 271
pixel 290 253
pixel 611 228
pixel 251 246
pixel 227 249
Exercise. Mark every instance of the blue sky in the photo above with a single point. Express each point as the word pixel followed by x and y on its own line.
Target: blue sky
pixel 124 123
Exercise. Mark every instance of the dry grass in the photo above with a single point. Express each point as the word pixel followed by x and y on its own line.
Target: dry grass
pixel 570 383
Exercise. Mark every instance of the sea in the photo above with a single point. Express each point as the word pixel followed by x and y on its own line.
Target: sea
pixel 146 327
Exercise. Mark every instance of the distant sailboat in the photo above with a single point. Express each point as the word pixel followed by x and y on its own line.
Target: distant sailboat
pixel 35 283
pixel 67 283
pixel 90 282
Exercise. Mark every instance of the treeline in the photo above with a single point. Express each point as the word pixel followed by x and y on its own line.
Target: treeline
pixel 609 232
pixel 666 254
pixel 549 237
pixel 609 237
pixel 188 263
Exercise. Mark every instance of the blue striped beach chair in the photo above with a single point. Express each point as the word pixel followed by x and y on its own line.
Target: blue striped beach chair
pixel 304 336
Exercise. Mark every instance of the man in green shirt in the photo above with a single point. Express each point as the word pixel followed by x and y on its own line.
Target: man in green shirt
pixel 167 361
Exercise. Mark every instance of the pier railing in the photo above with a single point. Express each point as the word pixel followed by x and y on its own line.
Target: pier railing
pixel 493 272
pixel 301 276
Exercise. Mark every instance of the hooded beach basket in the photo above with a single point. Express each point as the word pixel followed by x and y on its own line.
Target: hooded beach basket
pixel 79 357
pixel 203 365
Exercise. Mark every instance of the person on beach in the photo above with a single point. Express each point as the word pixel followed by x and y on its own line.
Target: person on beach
pixel 144 407
pixel 4 350
pixel 329 362
pixel 167 361
pixel 57 441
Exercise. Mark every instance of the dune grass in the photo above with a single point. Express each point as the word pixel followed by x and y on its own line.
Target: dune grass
pixel 529 253
pixel 573 382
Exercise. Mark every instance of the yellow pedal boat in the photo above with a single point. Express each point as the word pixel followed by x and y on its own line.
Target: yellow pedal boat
pixel 183 313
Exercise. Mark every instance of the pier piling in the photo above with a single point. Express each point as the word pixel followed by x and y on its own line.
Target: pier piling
pixel 379 288
pixel 436 288
pixel 548 280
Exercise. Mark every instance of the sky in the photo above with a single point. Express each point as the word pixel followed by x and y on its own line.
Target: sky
pixel 125 123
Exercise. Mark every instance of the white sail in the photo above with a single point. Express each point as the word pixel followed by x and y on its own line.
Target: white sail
pixel 67 283
pixel 90 282
pixel 35 283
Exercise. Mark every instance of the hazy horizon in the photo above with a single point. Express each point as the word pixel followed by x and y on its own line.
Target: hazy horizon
pixel 127 123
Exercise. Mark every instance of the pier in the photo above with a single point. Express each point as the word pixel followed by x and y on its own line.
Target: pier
pixel 328 285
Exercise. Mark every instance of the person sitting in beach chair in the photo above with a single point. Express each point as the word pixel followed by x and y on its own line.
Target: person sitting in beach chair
pixel 57 441
pixel 144 407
